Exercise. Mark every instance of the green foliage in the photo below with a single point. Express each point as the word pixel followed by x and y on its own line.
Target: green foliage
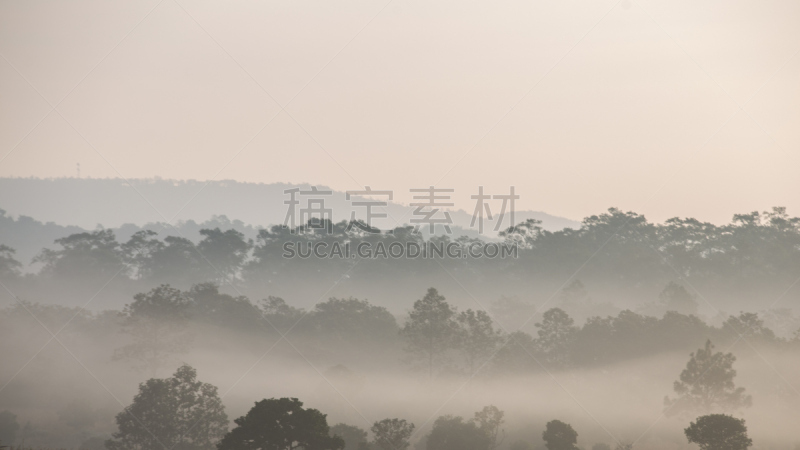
pixel 718 432
pixel 560 436
pixel 281 424
pixel 178 412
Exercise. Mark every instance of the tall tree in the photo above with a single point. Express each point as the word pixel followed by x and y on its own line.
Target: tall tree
pixel 224 253
pixel 454 433
pixel 718 432
pixel 557 331
pixel 707 384
pixel 392 434
pixel 430 329
pixel 559 435
pixel 86 255
pixel 281 424
pixel 178 412
pixel 138 250
pixel 489 420
pixel 157 324
pixel 477 337
pixel 9 266
pixel 177 261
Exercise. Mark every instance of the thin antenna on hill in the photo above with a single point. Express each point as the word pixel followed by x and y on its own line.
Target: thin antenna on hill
pixel 79 170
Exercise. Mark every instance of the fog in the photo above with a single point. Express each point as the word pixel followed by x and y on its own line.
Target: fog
pixel 67 400
pixel 594 350
pixel 399 225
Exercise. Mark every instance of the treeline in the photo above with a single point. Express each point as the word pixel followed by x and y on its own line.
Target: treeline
pixel 434 336
pixel 185 413
pixel 755 253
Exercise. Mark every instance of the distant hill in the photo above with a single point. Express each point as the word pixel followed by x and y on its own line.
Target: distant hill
pixel 37 211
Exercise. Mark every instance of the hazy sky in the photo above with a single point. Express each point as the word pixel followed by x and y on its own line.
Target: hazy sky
pixel 634 104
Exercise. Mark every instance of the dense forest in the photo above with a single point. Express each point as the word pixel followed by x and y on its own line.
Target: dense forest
pixel 625 308
pixel 619 255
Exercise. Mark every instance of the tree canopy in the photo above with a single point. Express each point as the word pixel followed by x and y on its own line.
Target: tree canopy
pixel 718 432
pixel 707 383
pixel 559 435
pixel 178 412
pixel 281 424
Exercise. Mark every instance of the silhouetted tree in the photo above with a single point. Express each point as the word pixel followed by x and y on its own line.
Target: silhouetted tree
pixel 224 253
pixel 156 321
pixel 557 331
pixel 489 420
pixel 354 437
pixel 178 412
pixel 90 255
pixel 281 424
pixel 210 306
pixel 9 267
pixel 430 329
pixel 279 314
pixel 477 337
pixel 718 432
pixel 560 436
pixel 176 261
pixel 707 383
pixel 453 433
pixel 392 434
pixel 749 327
pixel 343 322
pixel 675 297
pixel 139 250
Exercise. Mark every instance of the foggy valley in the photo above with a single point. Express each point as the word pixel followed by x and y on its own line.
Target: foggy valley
pixel 400 225
pixel 597 345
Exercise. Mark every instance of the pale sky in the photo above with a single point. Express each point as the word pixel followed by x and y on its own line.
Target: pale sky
pixel 633 104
